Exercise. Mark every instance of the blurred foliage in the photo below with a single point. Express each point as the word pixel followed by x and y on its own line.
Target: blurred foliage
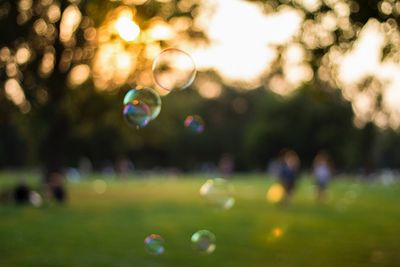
pixel 56 126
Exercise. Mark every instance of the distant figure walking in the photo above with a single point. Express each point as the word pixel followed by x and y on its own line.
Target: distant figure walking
pixel 289 173
pixel 322 174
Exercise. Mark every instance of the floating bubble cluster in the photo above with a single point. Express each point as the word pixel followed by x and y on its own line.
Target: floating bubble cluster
pixel 204 241
pixel 174 69
pixel 141 106
pixel 194 123
pixel 218 193
pixel 154 244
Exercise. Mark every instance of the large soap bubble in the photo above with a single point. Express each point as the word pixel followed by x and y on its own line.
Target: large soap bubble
pixel 218 193
pixel 174 69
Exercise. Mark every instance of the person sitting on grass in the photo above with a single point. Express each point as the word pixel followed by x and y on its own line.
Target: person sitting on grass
pixel 21 192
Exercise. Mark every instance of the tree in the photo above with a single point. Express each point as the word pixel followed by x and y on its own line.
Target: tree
pixel 65 66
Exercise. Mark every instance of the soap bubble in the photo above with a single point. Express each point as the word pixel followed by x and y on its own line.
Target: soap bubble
pixel 144 96
pixel 137 115
pixel 204 241
pixel 141 106
pixel 218 193
pixel 154 244
pixel 99 186
pixel 35 199
pixel 174 69
pixel 194 123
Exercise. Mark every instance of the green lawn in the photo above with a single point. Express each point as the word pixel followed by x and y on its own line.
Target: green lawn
pixel 359 226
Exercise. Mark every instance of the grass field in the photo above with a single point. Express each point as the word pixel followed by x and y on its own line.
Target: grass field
pixel 359 226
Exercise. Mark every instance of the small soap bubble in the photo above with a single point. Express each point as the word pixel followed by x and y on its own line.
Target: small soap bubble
pixel 218 193
pixel 194 123
pixel 146 96
pixel 141 106
pixel 99 186
pixel 174 69
pixel 137 115
pixel 154 244
pixel 204 241
pixel 35 199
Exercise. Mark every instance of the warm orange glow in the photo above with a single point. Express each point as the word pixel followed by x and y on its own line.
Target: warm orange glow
pixel 70 21
pixel 242 56
pixel 277 232
pixel 159 30
pixel 23 55
pixel 275 193
pixel 78 74
pixel 208 88
pixel 127 29
pixel 15 93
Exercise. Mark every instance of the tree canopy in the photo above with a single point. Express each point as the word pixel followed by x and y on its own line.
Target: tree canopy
pixel 283 74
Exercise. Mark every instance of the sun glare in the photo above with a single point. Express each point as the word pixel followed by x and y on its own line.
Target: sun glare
pixel 127 28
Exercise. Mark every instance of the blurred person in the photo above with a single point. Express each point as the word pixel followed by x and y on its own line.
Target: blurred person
pixel 21 192
pixel 55 186
pixel 274 167
pixel 226 165
pixel 123 166
pixel 288 174
pixel 322 172
pixel 85 166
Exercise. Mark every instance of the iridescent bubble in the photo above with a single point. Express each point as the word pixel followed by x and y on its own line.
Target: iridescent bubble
pixel 194 123
pixel 146 98
pixel 137 114
pixel 154 244
pixel 174 69
pixel 35 199
pixel 204 241
pixel 218 193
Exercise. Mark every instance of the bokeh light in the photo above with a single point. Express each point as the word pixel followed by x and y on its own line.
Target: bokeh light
pixel 275 193
pixel 204 241
pixel 99 186
pixel 276 233
pixel 127 28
